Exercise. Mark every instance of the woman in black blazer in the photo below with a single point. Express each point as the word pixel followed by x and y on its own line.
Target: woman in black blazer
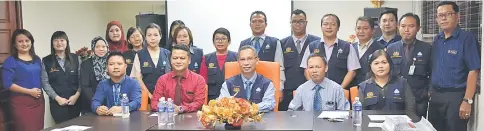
pixel 93 70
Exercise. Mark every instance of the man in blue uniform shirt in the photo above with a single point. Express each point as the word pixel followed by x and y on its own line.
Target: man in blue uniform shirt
pixel 250 85
pixel 388 25
pixel 412 59
pixel 294 47
pixel 455 67
pixel 107 99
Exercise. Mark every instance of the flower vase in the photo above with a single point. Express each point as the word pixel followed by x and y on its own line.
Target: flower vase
pixel 234 126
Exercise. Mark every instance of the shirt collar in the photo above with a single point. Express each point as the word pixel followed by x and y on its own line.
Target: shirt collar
pixel 191 50
pixel 59 58
pixel 367 44
pixel 413 43
pixel 120 82
pixel 455 33
pixel 263 37
pixel 252 79
pixel 335 42
pixel 383 39
pixel 322 84
pixel 185 75
pixel 302 39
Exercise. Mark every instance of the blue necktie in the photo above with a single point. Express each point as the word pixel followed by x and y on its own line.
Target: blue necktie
pixel 248 89
pixel 317 99
pixel 116 91
pixel 257 43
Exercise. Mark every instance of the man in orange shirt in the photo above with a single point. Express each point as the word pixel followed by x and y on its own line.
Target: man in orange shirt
pixel 185 87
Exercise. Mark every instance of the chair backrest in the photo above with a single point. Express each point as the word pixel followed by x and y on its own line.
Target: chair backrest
pixel 144 101
pixel 270 70
pixel 354 93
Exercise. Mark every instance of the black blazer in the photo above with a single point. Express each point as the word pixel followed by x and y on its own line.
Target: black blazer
pixel 88 84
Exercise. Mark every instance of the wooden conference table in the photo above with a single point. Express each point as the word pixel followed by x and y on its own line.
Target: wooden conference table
pixel 283 120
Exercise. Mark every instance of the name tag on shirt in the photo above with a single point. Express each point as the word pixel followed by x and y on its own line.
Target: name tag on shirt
pixel 190 93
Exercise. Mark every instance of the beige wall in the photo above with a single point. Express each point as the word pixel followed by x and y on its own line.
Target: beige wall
pixel 126 11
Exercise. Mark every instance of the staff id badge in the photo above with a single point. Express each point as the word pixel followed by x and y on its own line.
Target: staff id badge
pixel 412 67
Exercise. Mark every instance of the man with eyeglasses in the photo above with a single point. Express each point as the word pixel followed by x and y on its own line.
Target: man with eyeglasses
pixel 268 48
pixel 248 84
pixel 341 57
pixel 294 47
pixel 455 67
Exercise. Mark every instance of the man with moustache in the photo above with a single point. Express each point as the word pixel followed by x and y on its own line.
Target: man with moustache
pixel 294 47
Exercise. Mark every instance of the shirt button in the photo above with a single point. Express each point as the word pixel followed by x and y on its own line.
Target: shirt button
pixel 384 97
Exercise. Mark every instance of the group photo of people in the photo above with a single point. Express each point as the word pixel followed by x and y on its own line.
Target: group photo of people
pixel 395 71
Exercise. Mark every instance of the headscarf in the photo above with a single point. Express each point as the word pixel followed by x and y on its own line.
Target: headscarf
pixel 99 63
pixel 120 45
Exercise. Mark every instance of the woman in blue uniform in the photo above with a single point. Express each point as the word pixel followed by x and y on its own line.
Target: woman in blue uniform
pixel 93 70
pixel 21 75
pixel 384 91
pixel 151 62
pixel 183 35
pixel 175 24
pixel 135 43
pixel 60 77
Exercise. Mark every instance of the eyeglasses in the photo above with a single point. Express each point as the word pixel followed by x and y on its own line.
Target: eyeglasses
pixel 299 22
pixel 445 15
pixel 221 39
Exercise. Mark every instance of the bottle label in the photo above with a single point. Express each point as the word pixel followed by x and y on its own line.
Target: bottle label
pixel 171 109
pixel 357 108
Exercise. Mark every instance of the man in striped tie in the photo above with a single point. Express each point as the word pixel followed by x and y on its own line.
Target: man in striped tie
pixel 319 93
pixel 250 85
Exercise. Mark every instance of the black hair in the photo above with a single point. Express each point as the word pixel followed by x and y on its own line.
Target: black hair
pixel 367 19
pixel 298 12
pixel 415 16
pixel 181 47
pixel 454 5
pixel 222 31
pixel 317 55
pixel 69 62
pixel 13 49
pixel 153 25
pixel 172 26
pixel 116 53
pixel 190 36
pixel 258 13
pixel 327 15
pixel 247 47
pixel 374 56
pixel 393 12
pixel 130 32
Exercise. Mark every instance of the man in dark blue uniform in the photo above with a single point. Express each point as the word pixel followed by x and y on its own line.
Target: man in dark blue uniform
pixel 455 67
pixel 268 48
pixel 294 47
pixel 412 60
pixel 388 26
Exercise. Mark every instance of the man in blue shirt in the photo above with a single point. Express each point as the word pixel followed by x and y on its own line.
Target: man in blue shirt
pixel 456 64
pixel 388 26
pixel 107 99
pixel 250 85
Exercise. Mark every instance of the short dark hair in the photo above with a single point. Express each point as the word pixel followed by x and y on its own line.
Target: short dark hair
pixel 415 16
pixel 116 53
pixel 258 13
pixel 454 5
pixel 222 31
pixel 317 55
pixel 376 54
pixel 367 19
pixel 173 24
pixel 327 15
pixel 153 25
pixel 178 29
pixel 298 12
pixel 181 47
pixel 247 47
pixel 130 32
pixel 389 11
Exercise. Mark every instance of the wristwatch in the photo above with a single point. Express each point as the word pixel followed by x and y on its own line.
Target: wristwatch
pixel 470 101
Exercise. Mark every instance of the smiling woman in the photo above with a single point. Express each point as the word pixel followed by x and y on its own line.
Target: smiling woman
pixel 115 37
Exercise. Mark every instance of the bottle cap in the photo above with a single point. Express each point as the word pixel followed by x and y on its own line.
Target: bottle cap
pixel 162 99
pixel 169 99
pixel 357 98
pixel 125 95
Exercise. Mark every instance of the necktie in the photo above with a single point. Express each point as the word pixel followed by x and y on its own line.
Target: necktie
pixel 248 89
pixel 257 43
pixel 116 94
pixel 178 91
pixel 317 99
pixel 298 46
pixel 407 52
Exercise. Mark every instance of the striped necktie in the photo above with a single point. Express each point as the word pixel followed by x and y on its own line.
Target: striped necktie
pixel 317 105
pixel 248 89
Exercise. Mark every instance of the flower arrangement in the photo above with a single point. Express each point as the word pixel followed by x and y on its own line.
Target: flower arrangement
pixel 352 38
pixel 84 53
pixel 229 110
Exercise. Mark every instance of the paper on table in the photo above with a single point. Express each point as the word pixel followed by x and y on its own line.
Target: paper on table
pixel 154 114
pixel 72 128
pixel 372 124
pixel 383 117
pixel 334 114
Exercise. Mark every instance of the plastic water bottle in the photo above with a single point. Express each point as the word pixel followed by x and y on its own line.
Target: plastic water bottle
pixel 125 106
pixel 357 112
pixel 170 112
pixel 162 118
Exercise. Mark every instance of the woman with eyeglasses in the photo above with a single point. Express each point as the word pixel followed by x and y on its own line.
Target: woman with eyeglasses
pixel 212 67
pixel 135 43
